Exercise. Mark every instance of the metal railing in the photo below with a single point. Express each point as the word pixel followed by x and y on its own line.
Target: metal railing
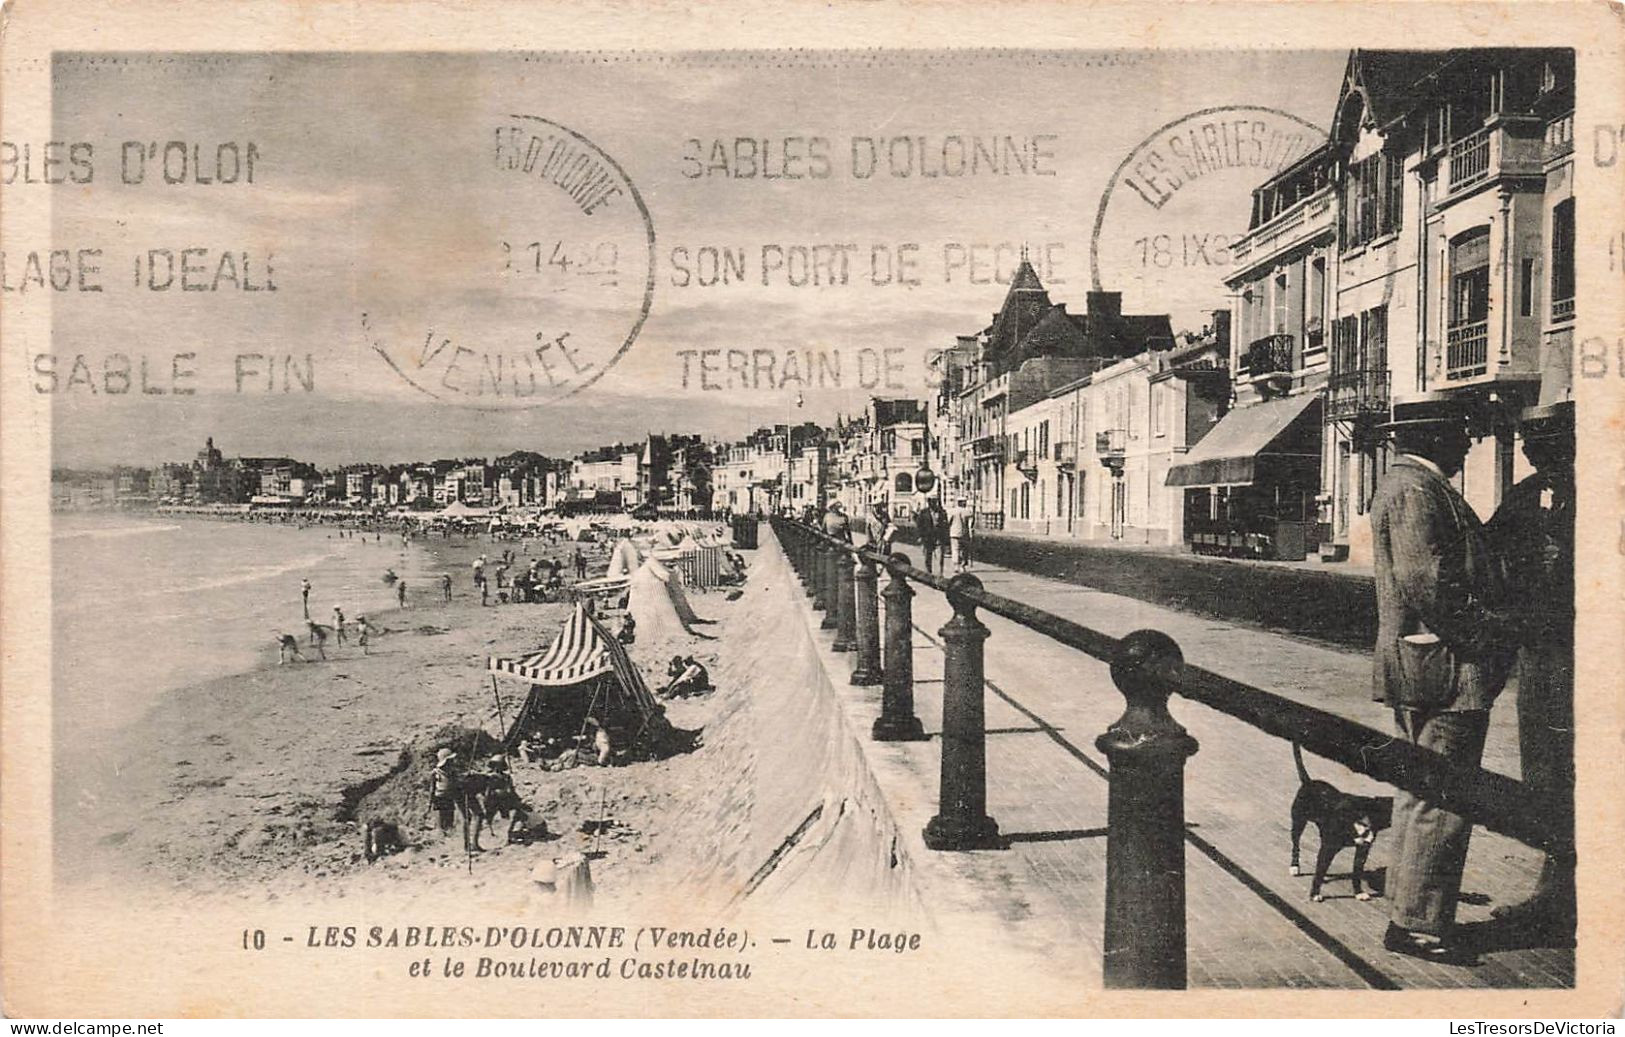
pixel 1111 442
pixel 1467 350
pixel 1269 355
pixel 1145 925
pixel 1563 309
pixel 1066 453
pixel 1469 159
pixel 1357 393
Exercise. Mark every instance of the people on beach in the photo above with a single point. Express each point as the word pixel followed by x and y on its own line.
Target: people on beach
pixel 318 636
pixel 445 585
pixel 580 561
pixel 364 633
pixel 628 633
pixel 688 678
pixel 304 594
pixel 288 645
pixel 400 592
pixel 443 791
pixel 338 624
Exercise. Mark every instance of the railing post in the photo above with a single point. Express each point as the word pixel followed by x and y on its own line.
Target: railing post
pixel 1145 819
pixel 805 544
pixel 832 588
pixel 819 570
pixel 846 605
pixel 897 722
pixel 962 822
pixel 865 582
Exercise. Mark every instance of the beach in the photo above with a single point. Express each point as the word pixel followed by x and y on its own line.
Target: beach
pixel 237 784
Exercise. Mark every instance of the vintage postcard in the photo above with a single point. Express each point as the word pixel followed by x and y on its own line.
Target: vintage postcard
pixel 1029 509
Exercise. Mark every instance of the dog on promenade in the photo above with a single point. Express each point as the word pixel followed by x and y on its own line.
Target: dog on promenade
pixel 1342 820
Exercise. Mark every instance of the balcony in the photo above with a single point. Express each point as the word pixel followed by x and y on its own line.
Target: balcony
pixel 1353 395
pixel 1512 146
pixel 1026 461
pixel 987 448
pixel 1111 442
pixel 1271 354
pixel 1305 219
pixel 1467 351
pixel 1563 309
pixel 1066 454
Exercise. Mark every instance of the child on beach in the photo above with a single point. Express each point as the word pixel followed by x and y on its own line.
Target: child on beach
pixel 400 592
pixel 364 633
pixel 445 585
pixel 286 644
pixel 304 594
pixel 318 636
pixel 338 623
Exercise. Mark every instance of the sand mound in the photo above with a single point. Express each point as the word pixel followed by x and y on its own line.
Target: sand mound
pixel 401 797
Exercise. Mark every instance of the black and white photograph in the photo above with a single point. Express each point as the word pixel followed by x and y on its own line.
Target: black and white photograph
pixel 694 527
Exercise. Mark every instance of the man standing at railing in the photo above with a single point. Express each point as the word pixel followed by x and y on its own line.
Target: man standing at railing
pixel 836 523
pixel 1441 657
pixel 1533 533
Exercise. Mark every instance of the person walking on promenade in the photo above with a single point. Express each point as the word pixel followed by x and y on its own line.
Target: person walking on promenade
pixel 926 528
pixel 886 531
pixel 338 625
pixel 400 592
pixel 445 585
pixel 1533 534
pixel 836 523
pixel 961 527
pixel 304 595
pixel 1442 656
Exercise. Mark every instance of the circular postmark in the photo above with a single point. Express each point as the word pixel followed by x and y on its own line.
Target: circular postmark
pixel 511 267
pixel 1180 200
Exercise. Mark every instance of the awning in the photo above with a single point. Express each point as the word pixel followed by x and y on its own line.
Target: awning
pixel 1267 440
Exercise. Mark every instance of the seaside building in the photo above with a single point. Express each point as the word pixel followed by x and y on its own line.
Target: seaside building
pixel 882 451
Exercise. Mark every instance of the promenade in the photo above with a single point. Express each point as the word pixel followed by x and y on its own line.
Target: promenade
pixel 1251 923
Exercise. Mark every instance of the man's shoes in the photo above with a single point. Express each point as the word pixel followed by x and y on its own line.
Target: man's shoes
pixel 1425 947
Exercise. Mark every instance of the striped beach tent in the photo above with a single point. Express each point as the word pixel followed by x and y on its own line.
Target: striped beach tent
pixel 584 658
pixel 701 566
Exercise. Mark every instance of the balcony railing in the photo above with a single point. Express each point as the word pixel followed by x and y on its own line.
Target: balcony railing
pixel 1467 350
pixel 1563 309
pixel 1469 159
pixel 1066 453
pixel 1026 460
pixel 1111 442
pixel 987 447
pixel 1356 394
pixel 1268 355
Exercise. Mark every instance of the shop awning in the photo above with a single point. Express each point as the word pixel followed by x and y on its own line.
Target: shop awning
pixel 1266 441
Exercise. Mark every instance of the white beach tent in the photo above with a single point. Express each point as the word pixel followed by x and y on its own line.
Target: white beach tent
pixel 625 560
pixel 674 590
pixel 650 603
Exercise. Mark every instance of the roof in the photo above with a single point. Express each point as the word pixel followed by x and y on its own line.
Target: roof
pixel 1386 78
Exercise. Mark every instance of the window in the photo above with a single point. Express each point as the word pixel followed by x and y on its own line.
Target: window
pixel 1374 339
pixel 1316 302
pixel 904 483
pixel 1470 278
pixel 1373 198
pixel 1563 258
pixel 1526 287
pixel 1278 308
pixel 1159 409
pixel 1346 344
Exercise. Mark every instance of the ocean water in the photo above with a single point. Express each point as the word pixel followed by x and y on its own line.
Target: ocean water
pixel 142 605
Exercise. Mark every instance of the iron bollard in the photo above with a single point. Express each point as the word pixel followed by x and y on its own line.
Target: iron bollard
pixel 809 582
pixel 865 582
pixel 897 722
pixel 832 588
pixel 1145 819
pixel 846 612
pixel 819 569
pixel 962 822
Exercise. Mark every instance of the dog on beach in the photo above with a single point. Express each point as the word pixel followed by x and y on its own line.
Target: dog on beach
pixel 383 838
pixel 1342 820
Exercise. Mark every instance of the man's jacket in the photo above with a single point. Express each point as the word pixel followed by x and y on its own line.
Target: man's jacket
pixel 1441 643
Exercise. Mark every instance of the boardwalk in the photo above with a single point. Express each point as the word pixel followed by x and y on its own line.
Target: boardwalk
pixel 1251 923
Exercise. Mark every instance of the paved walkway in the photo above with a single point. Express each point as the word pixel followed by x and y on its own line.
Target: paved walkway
pixel 1251 923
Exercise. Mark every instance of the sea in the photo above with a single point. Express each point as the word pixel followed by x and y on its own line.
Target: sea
pixel 142 605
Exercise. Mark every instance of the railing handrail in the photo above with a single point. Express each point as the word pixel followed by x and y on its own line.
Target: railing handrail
pixel 1495 801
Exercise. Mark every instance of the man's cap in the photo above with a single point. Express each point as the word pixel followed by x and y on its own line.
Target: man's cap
pixel 1547 421
pixel 1428 412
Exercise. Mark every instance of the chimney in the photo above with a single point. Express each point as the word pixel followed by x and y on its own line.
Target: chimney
pixel 1105 304
pixel 1221 327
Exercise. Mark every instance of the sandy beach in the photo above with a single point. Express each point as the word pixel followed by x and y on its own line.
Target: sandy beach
pixel 237 785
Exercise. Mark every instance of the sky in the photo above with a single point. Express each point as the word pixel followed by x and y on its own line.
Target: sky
pixel 694 297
